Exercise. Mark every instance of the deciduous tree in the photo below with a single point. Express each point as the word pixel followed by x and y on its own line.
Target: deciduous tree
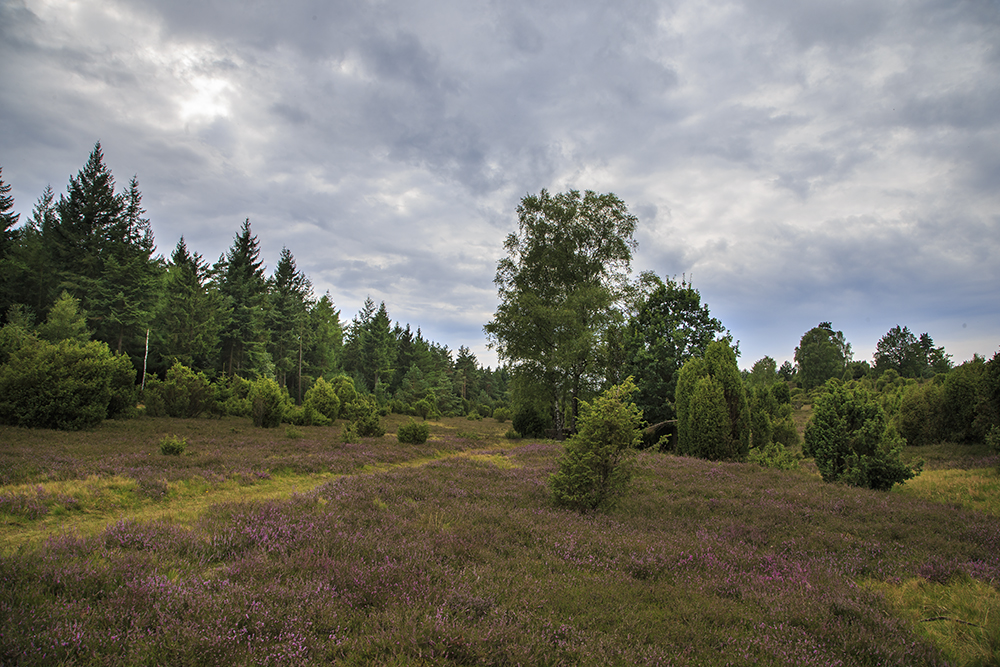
pixel 822 354
pixel 670 326
pixel 565 272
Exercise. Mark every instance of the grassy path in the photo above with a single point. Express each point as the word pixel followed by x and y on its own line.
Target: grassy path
pixel 86 507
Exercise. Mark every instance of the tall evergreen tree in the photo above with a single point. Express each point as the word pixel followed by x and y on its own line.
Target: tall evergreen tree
pixel 289 295
pixel 326 339
pixel 8 237
pixel 129 276
pixel 88 212
pixel 369 351
pixel 7 218
pixel 241 282
pixel 186 328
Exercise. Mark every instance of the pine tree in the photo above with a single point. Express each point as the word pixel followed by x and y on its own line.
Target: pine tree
pixel 87 214
pixel 289 294
pixel 129 277
pixel 186 328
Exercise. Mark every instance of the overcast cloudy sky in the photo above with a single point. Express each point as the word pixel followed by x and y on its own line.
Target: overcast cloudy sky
pixel 804 161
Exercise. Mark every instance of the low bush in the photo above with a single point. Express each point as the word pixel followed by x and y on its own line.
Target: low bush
pixel 267 403
pixel 323 399
pixel 501 414
pixel 773 455
pixel 852 441
pixel 595 466
pixel 413 432
pixel 173 445
pixel 366 419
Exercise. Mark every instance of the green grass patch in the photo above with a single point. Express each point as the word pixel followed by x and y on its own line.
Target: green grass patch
pixel 961 617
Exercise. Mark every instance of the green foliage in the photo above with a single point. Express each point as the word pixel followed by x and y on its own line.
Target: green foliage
pixel 186 393
pixel 267 403
pixel 414 432
pixel 671 325
pixel 920 418
pixel 501 414
pixel 530 423
pixel 564 273
pixel 474 416
pixel 822 354
pixel 322 397
pixel 66 385
pixel 425 408
pixel 853 442
pixel 909 356
pixel 595 466
pixel 713 418
pixel 773 455
pixel 65 321
pixel 173 445
pixel 365 418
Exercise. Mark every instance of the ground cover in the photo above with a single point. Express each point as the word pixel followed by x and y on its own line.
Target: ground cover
pixel 271 549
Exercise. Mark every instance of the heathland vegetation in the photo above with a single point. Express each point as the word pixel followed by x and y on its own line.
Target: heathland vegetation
pixel 202 465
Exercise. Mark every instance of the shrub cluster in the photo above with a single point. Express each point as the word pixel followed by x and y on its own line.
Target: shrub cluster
pixel 64 385
pixel 853 442
pixel 413 432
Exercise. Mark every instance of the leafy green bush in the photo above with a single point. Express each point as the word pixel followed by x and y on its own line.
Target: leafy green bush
pixel 425 408
pixel 152 397
pixel 920 418
pixel 474 416
pixel 366 420
pixel 267 403
pixel 501 415
pixel 595 466
pixel 773 455
pixel 66 385
pixel 414 432
pixel 173 445
pixel 322 398
pixel 512 434
pixel 186 393
pixel 713 413
pixel 852 441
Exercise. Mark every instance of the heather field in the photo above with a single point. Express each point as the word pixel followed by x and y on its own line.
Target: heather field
pixel 290 547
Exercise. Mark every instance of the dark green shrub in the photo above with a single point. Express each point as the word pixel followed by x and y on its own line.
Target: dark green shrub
pixel 152 397
pixel 66 385
pixel 501 415
pixel 267 403
pixel 425 408
pixel 530 423
pixel 323 399
pixel 595 467
pixel 852 441
pixel 474 416
pixel 414 432
pixel 186 394
pixel 343 387
pixel 773 455
pixel 173 445
pixel 713 418
pixel 366 420
pixel 920 418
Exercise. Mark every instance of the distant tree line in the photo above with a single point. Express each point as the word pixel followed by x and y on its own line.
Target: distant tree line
pixel 83 267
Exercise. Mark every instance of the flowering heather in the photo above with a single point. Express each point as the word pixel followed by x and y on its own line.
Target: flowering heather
pixel 460 561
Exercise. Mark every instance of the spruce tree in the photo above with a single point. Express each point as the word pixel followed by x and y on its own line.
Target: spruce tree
pixel 241 282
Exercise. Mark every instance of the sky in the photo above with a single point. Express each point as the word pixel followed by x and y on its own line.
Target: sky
pixel 831 160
